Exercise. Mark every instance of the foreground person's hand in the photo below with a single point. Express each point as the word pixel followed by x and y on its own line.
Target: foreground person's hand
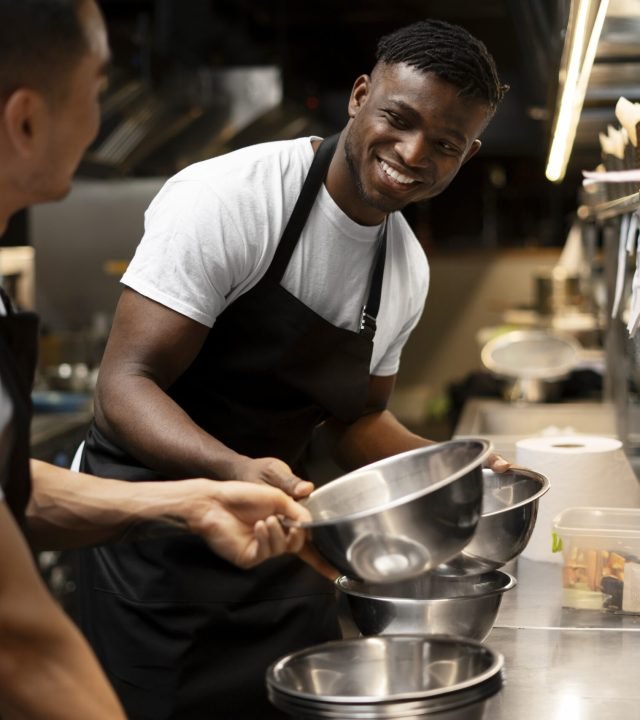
pixel 240 522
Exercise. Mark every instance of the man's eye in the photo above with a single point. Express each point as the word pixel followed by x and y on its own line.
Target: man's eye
pixel 449 148
pixel 396 120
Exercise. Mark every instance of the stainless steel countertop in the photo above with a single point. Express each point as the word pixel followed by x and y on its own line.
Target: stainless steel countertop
pixel 560 663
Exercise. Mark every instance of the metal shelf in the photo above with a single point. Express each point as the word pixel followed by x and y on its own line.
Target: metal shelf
pixel 611 208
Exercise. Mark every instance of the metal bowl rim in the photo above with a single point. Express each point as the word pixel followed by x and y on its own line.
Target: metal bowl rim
pixel 526 472
pixel 496 667
pixel 486 449
pixel 409 709
pixel 510 583
pixel 486 354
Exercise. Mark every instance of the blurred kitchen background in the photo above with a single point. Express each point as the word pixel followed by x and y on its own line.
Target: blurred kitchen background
pixel 509 249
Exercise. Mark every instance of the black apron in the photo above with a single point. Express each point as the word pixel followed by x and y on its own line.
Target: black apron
pixel 18 356
pixel 183 634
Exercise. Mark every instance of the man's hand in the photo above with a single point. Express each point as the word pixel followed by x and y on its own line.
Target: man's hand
pixel 240 522
pixel 497 463
pixel 274 472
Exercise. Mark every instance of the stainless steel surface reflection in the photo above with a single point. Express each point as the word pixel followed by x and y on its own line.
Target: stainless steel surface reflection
pixel 401 516
pixel 465 606
pixel 562 663
pixel 395 676
pixel 509 512
pixel 562 674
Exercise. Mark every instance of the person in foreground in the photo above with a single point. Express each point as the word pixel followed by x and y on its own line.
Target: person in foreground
pixel 273 291
pixel 53 66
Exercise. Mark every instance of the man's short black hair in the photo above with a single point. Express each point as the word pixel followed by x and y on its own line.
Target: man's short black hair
pixel 40 42
pixel 450 52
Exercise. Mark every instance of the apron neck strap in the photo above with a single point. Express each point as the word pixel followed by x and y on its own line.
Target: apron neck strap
pixel 293 230
pixel 290 236
pixel 370 308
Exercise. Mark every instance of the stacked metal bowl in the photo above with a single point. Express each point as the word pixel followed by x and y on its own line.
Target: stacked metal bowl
pixel 402 516
pixel 400 676
pixel 461 596
pixel 420 538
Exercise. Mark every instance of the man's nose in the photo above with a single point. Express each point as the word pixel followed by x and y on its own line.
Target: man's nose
pixel 414 151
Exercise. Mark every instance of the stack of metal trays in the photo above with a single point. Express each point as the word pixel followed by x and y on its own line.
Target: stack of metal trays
pixel 394 676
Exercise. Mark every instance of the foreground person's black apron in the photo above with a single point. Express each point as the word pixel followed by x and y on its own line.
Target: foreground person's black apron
pixel 184 635
pixel 18 355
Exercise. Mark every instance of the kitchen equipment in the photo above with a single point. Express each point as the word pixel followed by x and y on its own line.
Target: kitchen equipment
pixel 509 512
pixel 464 606
pixel 397 676
pixel 558 290
pixel 401 516
pixel 71 377
pixel 533 360
pixel 601 551
pixel 54 401
pixel 582 470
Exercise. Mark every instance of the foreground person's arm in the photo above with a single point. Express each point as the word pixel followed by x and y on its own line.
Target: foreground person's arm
pixel 238 521
pixel 47 671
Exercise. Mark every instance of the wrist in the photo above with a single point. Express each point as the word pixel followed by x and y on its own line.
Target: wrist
pixel 234 467
pixel 194 502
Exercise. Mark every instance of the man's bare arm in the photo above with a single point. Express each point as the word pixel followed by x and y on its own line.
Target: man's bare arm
pixel 47 671
pixel 238 520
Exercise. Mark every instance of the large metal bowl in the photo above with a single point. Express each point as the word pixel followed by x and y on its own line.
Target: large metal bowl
pixel 399 517
pixel 401 676
pixel 464 606
pixel 509 512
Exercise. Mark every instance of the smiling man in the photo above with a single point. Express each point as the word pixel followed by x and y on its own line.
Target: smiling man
pixel 273 290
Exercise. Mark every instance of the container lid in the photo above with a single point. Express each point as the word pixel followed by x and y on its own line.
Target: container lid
pixel 599 522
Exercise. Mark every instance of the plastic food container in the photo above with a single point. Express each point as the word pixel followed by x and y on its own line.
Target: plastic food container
pixel 601 554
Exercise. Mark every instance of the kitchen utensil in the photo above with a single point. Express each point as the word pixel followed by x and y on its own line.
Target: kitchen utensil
pixel 396 676
pixel 532 359
pixel 509 512
pixel 558 290
pixel 401 516
pixel 465 606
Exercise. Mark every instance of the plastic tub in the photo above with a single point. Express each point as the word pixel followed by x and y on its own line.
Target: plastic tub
pixel 601 555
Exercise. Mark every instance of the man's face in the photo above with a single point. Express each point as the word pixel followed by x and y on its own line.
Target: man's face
pixel 408 136
pixel 71 123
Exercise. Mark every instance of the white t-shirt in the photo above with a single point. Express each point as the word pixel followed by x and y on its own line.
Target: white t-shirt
pixel 212 231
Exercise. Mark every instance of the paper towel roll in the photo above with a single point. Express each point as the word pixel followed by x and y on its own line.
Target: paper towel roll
pixel 583 470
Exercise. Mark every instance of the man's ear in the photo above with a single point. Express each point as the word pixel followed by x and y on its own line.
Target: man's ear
pixel 475 146
pixel 22 116
pixel 359 94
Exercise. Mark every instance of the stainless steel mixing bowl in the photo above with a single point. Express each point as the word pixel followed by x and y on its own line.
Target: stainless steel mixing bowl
pixel 509 512
pixel 396 676
pixel 401 516
pixel 465 606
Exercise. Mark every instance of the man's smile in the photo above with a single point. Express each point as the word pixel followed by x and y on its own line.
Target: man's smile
pixel 396 175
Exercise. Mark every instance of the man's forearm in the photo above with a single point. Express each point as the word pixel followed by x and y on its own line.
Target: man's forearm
pixel 69 509
pixel 137 414
pixel 373 437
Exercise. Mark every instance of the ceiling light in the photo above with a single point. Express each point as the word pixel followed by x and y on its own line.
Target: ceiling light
pixel 586 18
